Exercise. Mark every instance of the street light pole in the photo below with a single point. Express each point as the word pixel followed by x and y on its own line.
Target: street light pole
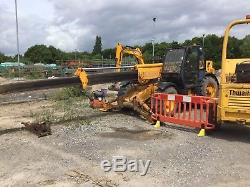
pixel 203 40
pixel 75 55
pixel 17 41
pixel 153 44
pixel 153 39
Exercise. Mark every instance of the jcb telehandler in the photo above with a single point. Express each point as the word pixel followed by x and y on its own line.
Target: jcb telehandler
pixel 184 70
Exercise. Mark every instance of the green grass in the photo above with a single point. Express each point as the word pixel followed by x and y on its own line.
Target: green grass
pixel 68 93
pixel 68 105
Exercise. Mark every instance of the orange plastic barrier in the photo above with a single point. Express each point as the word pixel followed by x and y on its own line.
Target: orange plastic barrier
pixel 191 111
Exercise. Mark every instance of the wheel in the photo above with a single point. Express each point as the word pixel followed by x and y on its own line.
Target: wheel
pixel 124 87
pixel 168 106
pixel 209 87
pixel 127 99
pixel 170 90
pixel 121 93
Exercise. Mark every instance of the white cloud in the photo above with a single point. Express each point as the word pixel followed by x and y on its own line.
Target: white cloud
pixel 66 36
pixel 73 24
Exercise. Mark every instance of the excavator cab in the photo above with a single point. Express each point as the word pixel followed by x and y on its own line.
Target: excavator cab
pixel 185 67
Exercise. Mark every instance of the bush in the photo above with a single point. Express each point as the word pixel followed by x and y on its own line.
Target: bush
pixel 67 93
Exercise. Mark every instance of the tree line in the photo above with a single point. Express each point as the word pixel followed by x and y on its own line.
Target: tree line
pixel 212 48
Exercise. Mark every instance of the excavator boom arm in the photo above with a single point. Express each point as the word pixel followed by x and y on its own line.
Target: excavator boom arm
pixel 121 50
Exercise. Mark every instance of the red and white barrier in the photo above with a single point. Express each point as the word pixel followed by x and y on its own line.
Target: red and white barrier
pixel 192 111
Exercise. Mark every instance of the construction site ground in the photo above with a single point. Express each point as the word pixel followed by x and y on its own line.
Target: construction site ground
pixel 72 154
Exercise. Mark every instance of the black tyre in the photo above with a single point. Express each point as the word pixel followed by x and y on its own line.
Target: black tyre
pixel 209 87
pixel 170 90
pixel 168 106
pixel 124 87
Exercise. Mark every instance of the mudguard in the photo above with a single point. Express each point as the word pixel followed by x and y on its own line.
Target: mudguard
pixel 163 85
pixel 216 77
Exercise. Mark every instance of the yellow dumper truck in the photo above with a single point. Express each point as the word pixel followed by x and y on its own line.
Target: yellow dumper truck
pixel 234 97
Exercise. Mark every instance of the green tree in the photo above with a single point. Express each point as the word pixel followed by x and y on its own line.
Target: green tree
pixel 56 54
pixel 147 56
pixel 146 47
pixel 4 58
pixel 108 53
pixel 233 48
pixel 98 46
pixel 44 54
pixel 160 49
pixel 187 43
pixel 197 41
pixel 213 48
pixel 245 47
pixel 175 44
pixel 39 54
pixel 147 52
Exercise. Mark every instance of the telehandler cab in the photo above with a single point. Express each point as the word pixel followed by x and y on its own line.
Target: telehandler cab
pixel 185 71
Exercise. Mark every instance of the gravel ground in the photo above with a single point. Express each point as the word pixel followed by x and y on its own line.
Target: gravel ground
pixel 71 156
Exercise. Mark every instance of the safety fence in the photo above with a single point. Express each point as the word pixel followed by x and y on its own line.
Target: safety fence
pixel 192 111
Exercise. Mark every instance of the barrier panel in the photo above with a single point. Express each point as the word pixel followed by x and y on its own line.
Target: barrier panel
pixel 192 111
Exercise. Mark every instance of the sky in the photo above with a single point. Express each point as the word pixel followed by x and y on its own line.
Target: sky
pixel 73 24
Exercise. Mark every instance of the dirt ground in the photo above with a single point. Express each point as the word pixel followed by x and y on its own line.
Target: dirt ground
pixel 71 156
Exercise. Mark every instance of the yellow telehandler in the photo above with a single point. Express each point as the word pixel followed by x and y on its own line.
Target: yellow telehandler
pixel 184 70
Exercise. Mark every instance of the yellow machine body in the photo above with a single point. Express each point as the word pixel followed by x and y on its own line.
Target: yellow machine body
pixel 209 67
pixel 234 98
pixel 137 96
pixel 234 104
pixel 148 72
pixel 83 77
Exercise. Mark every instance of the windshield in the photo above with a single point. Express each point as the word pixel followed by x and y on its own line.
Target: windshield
pixel 173 60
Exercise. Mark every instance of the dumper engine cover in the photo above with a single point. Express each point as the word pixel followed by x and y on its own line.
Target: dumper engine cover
pixel 242 72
